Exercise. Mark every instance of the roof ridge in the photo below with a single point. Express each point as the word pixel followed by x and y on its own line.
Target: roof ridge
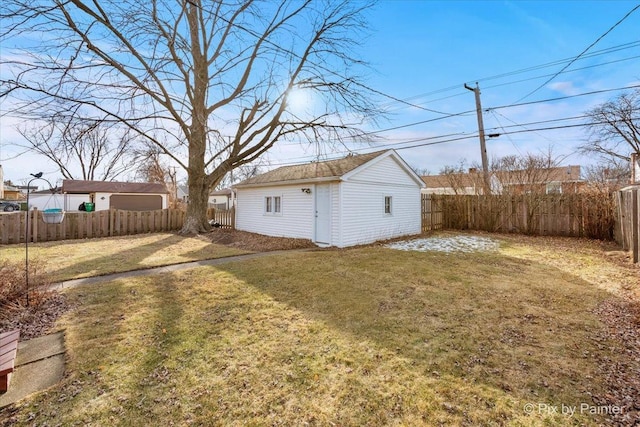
pixel 327 169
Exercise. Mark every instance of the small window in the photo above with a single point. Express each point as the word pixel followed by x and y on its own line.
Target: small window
pixel 387 205
pixel 272 205
pixel 554 187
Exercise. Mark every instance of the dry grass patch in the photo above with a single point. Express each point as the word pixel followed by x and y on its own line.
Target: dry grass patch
pixel 599 263
pixel 366 336
pixel 70 259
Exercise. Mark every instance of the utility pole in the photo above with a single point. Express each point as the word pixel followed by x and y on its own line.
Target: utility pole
pixel 174 184
pixel 232 201
pixel 483 145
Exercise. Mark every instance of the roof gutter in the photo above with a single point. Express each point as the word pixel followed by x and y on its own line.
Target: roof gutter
pixel 292 182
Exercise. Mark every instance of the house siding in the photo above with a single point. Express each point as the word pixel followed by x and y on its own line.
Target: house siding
pixel 363 196
pixel 357 211
pixel 296 219
pixel 363 217
pixel 336 217
pixel 384 172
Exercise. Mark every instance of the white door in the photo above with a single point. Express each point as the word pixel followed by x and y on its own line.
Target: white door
pixel 323 214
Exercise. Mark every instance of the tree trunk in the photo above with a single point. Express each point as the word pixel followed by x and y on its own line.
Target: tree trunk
pixel 196 221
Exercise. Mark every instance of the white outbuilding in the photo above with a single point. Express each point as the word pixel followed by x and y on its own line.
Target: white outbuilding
pixel 355 200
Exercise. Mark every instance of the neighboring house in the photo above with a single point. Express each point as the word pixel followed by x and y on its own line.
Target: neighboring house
pixel 458 183
pixel 355 200
pixel 182 193
pixel 12 192
pixel 556 180
pixel 635 168
pixel 222 199
pixel 132 196
pixel 46 199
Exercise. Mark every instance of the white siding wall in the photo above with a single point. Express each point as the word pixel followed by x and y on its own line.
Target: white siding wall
pixel 363 196
pixel 46 201
pixel 296 220
pixel 102 205
pixel 336 213
pixel 357 207
pixel 384 171
pixel 67 202
pixel 364 219
pixel 72 201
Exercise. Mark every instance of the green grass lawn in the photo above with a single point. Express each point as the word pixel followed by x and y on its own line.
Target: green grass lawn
pixel 365 336
pixel 71 259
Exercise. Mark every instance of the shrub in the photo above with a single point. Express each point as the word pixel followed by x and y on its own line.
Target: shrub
pixel 13 286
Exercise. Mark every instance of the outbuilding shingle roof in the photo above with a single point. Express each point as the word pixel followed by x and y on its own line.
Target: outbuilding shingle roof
pixel 312 171
pixel 81 186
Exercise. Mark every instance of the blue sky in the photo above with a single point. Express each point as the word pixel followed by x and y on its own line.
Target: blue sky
pixel 424 51
pixel 421 47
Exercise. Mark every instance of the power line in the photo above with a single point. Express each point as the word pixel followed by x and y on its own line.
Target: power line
pixel 560 98
pixel 491 108
pixel 582 53
pixel 448 115
pixel 396 146
pixel 533 78
pixel 584 116
pixel 495 116
pixel 616 48
pixel 506 133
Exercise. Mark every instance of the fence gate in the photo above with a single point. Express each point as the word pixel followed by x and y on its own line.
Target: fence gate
pixel 628 220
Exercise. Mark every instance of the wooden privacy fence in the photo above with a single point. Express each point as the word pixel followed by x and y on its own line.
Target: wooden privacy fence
pixel 80 225
pixel 431 212
pixel 226 218
pixel 628 220
pixel 579 215
pixel 113 222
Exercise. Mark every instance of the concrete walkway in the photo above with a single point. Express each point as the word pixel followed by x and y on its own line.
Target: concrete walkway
pixel 39 365
pixel 169 268
pixel 40 362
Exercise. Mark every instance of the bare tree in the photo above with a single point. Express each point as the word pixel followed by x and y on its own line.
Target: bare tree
pixel 82 149
pixel 614 127
pixel 526 176
pixel 608 176
pixel 245 171
pixel 460 179
pixel 463 180
pixel 420 170
pixel 151 168
pixel 216 79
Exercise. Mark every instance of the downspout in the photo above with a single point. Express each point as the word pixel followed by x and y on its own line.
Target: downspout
pixel 1 183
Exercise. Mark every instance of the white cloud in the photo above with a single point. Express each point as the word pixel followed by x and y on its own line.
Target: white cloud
pixel 565 88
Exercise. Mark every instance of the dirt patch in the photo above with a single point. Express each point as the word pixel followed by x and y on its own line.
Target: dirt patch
pixel 255 242
pixel 37 319
pixel 622 318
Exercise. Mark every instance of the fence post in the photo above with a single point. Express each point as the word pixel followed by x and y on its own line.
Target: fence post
pixel 233 217
pixel 635 220
pixel 429 203
pixel 34 225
